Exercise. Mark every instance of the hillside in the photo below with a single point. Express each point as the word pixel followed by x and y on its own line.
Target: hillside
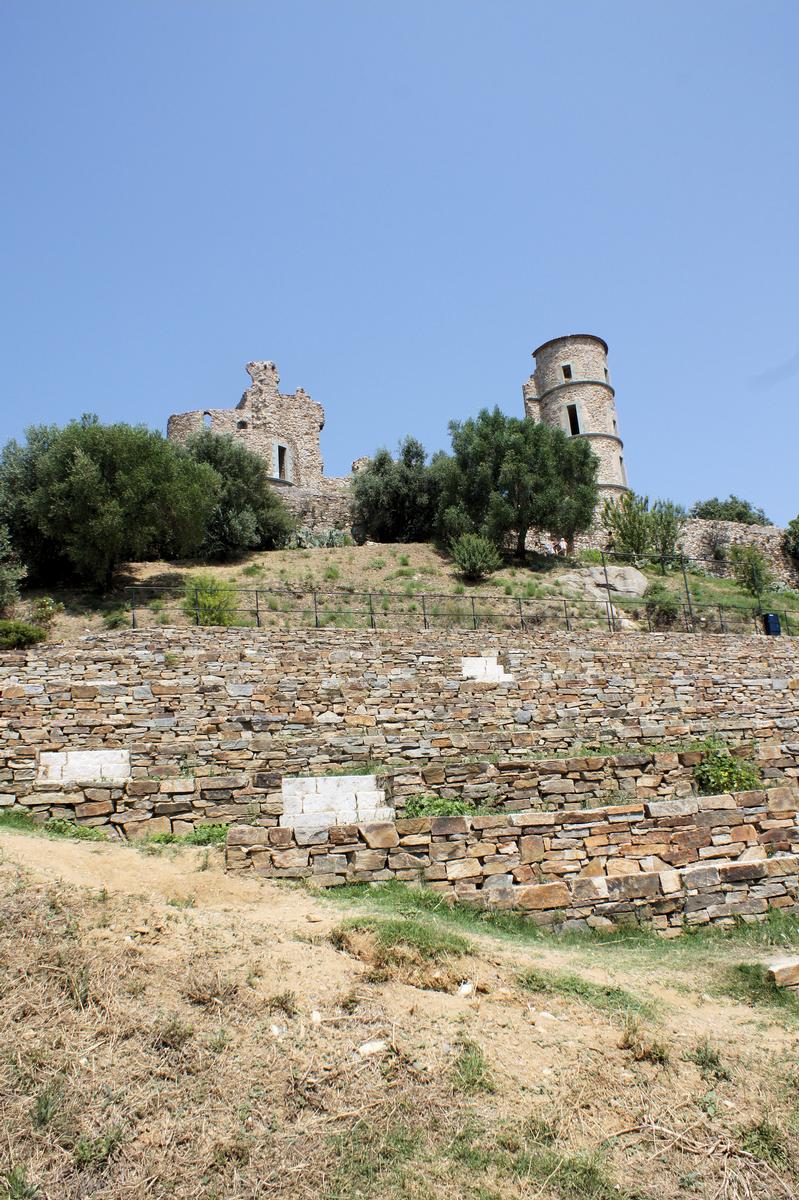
pixel 172 1032
pixel 396 577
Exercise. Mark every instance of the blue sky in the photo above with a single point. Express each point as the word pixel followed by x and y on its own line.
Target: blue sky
pixel 397 203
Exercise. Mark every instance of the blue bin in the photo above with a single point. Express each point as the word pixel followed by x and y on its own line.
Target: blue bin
pixel 771 624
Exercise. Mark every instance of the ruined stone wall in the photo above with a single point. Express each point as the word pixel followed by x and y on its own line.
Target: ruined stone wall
pixel 671 862
pixel 699 538
pixel 264 420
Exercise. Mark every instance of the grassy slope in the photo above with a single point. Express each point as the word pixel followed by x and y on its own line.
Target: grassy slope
pixel 402 571
pixel 220 1037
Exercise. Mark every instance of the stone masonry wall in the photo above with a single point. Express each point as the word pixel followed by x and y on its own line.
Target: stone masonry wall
pixel 676 861
pixel 211 720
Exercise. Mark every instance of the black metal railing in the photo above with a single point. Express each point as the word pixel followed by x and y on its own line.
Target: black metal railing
pixel 265 607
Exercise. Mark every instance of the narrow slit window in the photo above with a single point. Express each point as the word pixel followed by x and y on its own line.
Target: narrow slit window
pixel 574 422
pixel 281 462
pixel 607 376
pixel 207 420
pixel 567 371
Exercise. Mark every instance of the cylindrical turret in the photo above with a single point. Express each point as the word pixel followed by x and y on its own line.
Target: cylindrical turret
pixel 571 388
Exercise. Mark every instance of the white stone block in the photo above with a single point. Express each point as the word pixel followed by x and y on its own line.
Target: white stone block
pixel 375 796
pixel 293 806
pixel 318 803
pixel 84 766
pixel 297 785
pixel 383 814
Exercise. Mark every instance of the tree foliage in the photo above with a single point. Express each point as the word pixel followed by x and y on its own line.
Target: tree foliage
pixel 731 509
pixel 750 569
pixel 792 539
pixel 640 532
pixel 507 475
pixel 247 513
pixel 11 573
pixel 79 500
pixel 395 499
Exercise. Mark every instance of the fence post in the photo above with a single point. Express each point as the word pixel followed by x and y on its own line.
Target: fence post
pixel 315 610
pixel 721 620
pixel 521 612
pixel 424 612
pixel 257 610
pixel 196 605
pixel 611 623
pixel 566 615
pixel 687 591
pixel 133 612
pixel 474 615
pixel 371 612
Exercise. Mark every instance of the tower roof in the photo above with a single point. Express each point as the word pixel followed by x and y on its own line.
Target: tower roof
pixel 567 337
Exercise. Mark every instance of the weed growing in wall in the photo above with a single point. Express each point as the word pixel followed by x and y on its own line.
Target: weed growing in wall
pixel 720 771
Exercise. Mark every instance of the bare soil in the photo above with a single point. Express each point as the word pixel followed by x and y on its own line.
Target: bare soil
pixel 169 1031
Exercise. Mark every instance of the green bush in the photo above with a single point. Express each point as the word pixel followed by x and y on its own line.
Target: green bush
pixel 720 772
pixel 15 635
pixel 475 557
pixel 210 601
pixel 731 509
pixel 437 806
pixel 627 520
pixel 792 538
pixel 11 573
pixel 44 611
pixel 751 571
pixel 662 606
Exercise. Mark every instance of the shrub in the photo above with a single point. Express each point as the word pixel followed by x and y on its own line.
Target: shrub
pixel 666 521
pixel 437 806
pixel 662 606
pixel 44 611
pixel 210 601
pixel 16 635
pixel 731 509
pixel 720 772
pixel 751 571
pixel 395 500
pixel 11 573
pixel 475 556
pixel 791 542
pixel 628 520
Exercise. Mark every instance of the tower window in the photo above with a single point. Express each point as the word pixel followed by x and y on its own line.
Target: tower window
pixel 241 424
pixel 567 371
pixel 574 423
pixel 207 422
pixel 281 462
pixel 607 376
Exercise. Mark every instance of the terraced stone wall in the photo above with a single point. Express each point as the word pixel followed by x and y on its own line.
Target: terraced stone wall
pixel 673 862
pixel 221 715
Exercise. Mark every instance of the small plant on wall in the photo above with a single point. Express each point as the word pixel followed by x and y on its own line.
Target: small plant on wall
pixel 720 772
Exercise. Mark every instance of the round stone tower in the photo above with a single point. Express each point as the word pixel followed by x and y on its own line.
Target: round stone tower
pixel 571 388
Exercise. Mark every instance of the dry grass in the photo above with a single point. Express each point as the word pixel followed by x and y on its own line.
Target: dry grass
pixel 230 1051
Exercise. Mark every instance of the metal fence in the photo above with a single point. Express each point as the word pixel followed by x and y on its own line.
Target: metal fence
pixel 288 607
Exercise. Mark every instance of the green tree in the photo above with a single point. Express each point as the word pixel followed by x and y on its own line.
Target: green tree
pixel 750 569
pixel 731 509
pixel 628 520
pixel 395 500
pixel 791 542
pixel 666 521
pixel 79 500
pixel 247 513
pixel 507 475
pixel 11 573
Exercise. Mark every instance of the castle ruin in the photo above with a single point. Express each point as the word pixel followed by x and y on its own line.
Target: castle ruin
pixel 569 389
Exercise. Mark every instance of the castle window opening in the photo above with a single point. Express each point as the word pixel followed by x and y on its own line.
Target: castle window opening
pixel 574 422
pixel 281 462
pixel 207 420
pixel 607 375
pixel 241 424
pixel 567 371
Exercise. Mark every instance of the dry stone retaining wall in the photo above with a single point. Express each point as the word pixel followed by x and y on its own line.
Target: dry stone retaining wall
pixel 675 861
pixel 211 720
